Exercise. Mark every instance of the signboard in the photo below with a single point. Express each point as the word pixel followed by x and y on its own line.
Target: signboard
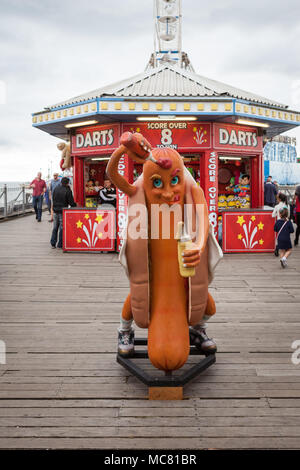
pixel 248 232
pixel 211 187
pixel 88 230
pixel 95 139
pixel 125 168
pixel 179 135
pixel 230 137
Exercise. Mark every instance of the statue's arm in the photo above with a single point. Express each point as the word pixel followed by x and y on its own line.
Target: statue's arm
pixel 113 173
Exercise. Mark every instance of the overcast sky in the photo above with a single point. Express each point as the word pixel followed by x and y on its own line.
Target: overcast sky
pixel 51 50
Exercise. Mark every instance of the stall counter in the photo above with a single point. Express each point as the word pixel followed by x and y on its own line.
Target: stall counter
pixel 248 230
pixel 89 229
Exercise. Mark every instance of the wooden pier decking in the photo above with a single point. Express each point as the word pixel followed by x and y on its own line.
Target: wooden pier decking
pixel 62 388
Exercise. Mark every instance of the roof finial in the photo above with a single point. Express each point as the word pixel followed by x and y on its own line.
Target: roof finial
pixel 167 35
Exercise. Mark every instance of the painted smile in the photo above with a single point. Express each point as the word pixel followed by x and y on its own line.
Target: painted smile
pixel 175 200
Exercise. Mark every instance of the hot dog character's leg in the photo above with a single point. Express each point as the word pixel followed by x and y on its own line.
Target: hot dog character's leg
pixel 210 308
pixel 198 335
pixel 126 312
pixel 125 331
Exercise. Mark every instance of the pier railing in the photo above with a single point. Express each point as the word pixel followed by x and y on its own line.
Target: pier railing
pixel 15 200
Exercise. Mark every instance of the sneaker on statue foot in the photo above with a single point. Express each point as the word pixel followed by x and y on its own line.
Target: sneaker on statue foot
pixel 126 342
pixel 199 338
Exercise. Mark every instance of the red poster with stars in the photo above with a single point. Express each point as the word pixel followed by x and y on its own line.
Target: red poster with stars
pixel 248 232
pixel 88 230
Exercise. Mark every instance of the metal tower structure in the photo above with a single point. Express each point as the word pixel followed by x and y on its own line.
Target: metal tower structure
pixel 167 35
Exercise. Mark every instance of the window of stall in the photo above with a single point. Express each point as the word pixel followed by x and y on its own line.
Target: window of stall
pixel 192 163
pixel 234 182
pixel 94 176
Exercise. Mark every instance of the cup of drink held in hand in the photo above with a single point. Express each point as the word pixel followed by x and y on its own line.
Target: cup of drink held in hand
pixel 184 243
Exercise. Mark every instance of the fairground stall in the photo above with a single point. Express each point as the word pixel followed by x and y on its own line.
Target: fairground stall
pixel 218 129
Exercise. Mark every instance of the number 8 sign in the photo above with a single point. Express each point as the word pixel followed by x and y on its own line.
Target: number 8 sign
pixel 166 137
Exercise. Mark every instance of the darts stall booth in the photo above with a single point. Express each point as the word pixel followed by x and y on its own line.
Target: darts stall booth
pixel 225 160
pixel 218 129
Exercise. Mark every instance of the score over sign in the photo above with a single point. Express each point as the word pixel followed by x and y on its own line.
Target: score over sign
pixel 179 135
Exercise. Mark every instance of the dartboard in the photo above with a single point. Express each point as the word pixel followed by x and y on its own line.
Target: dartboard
pixel 224 175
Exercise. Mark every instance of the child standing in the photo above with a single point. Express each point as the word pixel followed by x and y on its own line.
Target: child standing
pixel 282 202
pixel 284 228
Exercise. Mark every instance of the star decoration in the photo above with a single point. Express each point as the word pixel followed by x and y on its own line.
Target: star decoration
pixel 86 216
pixel 240 236
pixel 78 240
pixel 253 218
pixel 79 224
pixel 99 218
pixel 240 220
pixel 261 241
pixel 260 226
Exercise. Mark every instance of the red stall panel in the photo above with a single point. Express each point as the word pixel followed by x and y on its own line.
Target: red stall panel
pixel 88 230
pixel 248 232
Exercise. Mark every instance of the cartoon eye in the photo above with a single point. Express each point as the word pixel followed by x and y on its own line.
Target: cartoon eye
pixel 174 180
pixel 157 183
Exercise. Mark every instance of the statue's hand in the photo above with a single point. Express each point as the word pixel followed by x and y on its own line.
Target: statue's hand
pixel 191 257
pixel 137 147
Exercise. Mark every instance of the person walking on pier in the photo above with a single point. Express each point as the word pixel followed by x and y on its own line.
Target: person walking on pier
pixel 62 197
pixel 39 188
pixel 51 186
pixel 282 203
pixel 53 183
pixel 284 228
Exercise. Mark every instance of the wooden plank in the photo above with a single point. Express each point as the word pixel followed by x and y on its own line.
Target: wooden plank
pixel 198 422
pixel 167 432
pixel 151 443
pixel 153 412
pixel 195 403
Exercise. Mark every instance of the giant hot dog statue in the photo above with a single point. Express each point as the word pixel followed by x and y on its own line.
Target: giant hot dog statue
pixel 164 297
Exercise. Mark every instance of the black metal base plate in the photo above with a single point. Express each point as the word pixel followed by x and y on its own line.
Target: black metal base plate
pixel 168 380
